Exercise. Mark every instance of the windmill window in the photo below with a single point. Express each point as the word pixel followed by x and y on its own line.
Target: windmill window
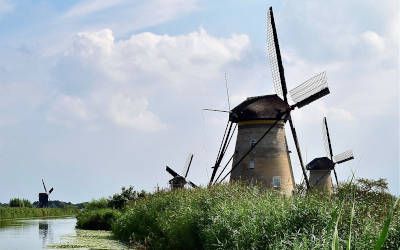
pixel 252 164
pixel 253 142
pixel 276 181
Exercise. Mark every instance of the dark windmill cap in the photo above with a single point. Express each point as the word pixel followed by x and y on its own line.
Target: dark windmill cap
pixel 321 163
pixel 266 107
pixel 177 179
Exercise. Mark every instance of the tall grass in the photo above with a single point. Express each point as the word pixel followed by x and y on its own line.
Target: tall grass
pixel 17 202
pixel 241 217
pixel 97 219
pixel 24 212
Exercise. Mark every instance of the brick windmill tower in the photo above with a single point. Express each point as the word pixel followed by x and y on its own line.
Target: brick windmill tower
pixel 320 168
pixel 261 152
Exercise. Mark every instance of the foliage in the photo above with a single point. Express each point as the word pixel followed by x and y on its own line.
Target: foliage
pixel 97 204
pixel 17 202
pixel 236 216
pixel 385 229
pixel 99 219
pixel 120 200
pixel 59 204
pixel 24 212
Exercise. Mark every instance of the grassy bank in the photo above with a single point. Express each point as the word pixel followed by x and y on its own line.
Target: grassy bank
pixel 240 217
pixel 97 219
pixel 26 212
pixel 101 214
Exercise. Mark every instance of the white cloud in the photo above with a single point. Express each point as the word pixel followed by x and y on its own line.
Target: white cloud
pixel 374 40
pixel 68 111
pixel 132 112
pixel 118 80
pixel 92 43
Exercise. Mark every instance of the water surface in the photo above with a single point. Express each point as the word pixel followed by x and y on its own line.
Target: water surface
pixel 52 233
pixel 34 233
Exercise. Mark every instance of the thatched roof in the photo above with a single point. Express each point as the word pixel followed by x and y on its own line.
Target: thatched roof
pixel 321 163
pixel 265 107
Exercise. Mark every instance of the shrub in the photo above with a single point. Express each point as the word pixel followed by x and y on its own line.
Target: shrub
pixel 119 201
pixel 16 202
pixel 97 204
pixel 100 219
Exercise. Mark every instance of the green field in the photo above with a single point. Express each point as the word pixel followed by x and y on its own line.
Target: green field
pixel 236 216
pixel 27 212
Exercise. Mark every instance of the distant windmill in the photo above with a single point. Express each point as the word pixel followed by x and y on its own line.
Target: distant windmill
pixel 179 181
pixel 261 153
pixel 44 197
pixel 320 168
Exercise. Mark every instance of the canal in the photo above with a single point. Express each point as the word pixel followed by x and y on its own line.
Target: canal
pixel 52 233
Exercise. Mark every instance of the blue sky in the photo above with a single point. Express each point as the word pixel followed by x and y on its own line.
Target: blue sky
pixel 95 95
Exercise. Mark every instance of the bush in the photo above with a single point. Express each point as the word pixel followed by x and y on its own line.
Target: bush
pixel 119 201
pixel 16 202
pixel 100 219
pixel 97 204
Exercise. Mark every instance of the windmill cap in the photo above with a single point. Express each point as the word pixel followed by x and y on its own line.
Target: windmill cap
pixel 177 179
pixel 266 107
pixel 321 163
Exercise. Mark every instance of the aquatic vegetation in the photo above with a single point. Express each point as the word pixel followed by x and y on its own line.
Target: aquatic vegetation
pixel 87 239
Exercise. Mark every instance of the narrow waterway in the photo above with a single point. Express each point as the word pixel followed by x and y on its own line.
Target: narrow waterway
pixel 34 233
pixel 52 233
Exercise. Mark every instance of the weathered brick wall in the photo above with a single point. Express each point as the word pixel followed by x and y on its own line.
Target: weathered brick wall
pixel 321 180
pixel 271 156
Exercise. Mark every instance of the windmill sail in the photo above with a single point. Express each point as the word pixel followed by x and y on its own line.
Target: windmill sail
pixel 187 165
pixel 343 157
pixel 178 180
pixel 311 90
pixel 172 172
pixel 44 186
pixel 328 144
pixel 274 55
pixel 327 139
pixel 51 190
pixel 278 77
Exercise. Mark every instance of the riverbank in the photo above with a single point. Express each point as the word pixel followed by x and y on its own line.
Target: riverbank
pixel 242 217
pixel 24 212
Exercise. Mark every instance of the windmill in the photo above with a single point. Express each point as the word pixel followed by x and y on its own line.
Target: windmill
pixel 261 152
pixel 44 197
pixel 320 168
pixel 179 181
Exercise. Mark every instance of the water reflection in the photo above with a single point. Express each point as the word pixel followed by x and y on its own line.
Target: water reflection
pixel 34 233
pixel 45 232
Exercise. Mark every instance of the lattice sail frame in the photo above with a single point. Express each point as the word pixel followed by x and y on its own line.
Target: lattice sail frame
pixel 342 157
pixel 273 58
pixel 325 139
pixel 187 164
pixel 310 87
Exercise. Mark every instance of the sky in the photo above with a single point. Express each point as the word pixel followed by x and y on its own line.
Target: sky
pixel 95 95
